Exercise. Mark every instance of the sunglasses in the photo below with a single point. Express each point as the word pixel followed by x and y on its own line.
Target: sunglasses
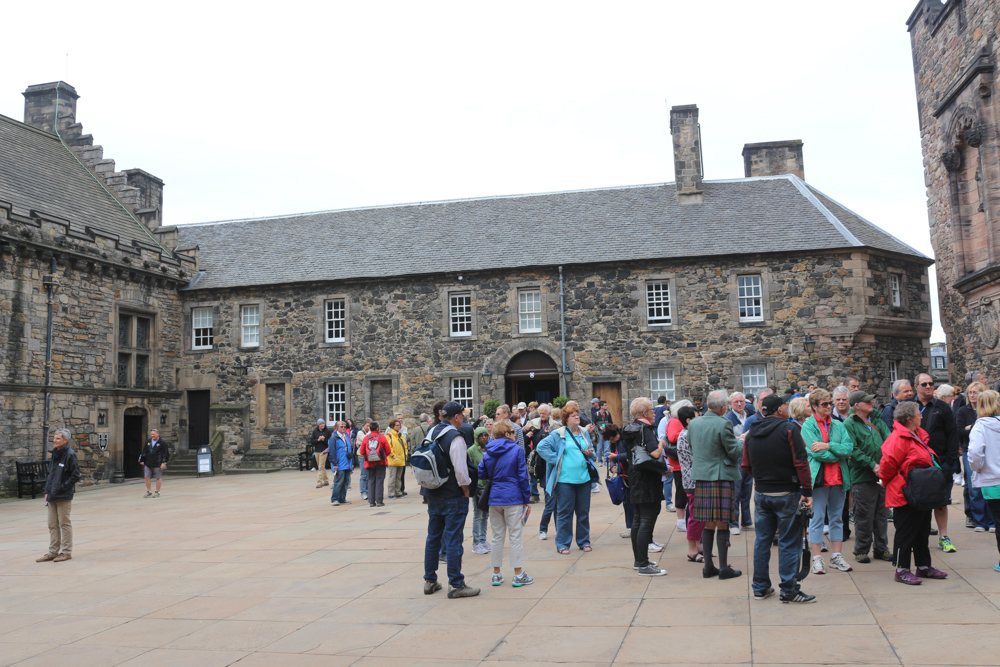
pixel 926 384
pixel 825 405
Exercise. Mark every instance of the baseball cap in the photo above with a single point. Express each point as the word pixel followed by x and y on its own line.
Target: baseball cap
pixel 771 404
pixel 595 400
pixel 452 408
pixel 859 397
pixel 522 406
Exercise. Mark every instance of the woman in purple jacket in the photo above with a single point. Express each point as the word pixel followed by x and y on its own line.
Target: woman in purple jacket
pixel 510 498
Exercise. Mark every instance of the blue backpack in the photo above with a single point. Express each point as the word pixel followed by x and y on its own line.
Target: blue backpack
pixel 430 464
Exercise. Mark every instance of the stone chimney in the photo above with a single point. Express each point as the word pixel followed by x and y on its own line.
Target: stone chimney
pixel 40 106
pixel 774 158
pixel 149 204
pixel 688 170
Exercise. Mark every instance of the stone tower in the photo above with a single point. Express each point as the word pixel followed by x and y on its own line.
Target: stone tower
pixel 955 51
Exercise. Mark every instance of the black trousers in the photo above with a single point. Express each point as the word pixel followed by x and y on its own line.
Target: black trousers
pixel 913 530
pixel 994 506
pixel 680 495
pixel 643 523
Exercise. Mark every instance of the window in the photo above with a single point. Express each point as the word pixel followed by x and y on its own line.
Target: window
pixel 201 329
pixel 897 293
pixel 461 391
pixel 529 310
pixel 938 361
pixel 658 303
pixel 754 378
pixel 250 326
pixel 460 315
pixel 336 402
pixel 134 335
pixel 661 383
pixel 336 320
pixel 893 371
pixel 750 298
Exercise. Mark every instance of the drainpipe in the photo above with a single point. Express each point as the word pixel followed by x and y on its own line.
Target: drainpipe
pixel 51 283
pixel 562 324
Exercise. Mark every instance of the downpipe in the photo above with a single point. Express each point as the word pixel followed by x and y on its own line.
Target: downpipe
pixel 562 324
pixel 51 284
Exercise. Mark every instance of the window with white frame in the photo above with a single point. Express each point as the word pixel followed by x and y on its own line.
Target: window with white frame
pixel 894 289
pixel 658 303
pixel 249 326
pixel 751 298
pixel 460 314
pixel 336 320
pixel 661 383
pixel 202 337
pixel 461 391
pixel 529 311
pixel 938 362
pixel 754 378
pixel 336 402
pixel 893 371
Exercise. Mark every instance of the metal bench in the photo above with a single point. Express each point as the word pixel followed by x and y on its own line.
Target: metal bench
pixel 31 474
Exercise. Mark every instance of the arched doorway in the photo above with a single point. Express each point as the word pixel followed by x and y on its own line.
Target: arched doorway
pixel 133 439
pixel 531 376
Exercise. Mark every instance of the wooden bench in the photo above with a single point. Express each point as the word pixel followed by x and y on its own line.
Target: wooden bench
pixel 31 474
pixel 307 459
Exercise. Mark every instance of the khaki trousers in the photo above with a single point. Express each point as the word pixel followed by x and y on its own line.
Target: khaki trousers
pixel 60 529
pixel 395 474
pixel 506 519
pixel 321 464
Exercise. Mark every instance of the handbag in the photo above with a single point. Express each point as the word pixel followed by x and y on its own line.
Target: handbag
pixel 926 488
pixel 615 486
pixel 595 477
pixel 483 501
pixel 641 460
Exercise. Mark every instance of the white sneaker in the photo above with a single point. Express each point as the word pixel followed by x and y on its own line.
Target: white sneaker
pixel 682 525
pixel 826 530
pixel 837 561
pixel 671 508
pixel 542 535
pixel 626 534
pixel 980 529
pixel 958 479
pixel 595 489
pixel 819 567
pixel 734 530
pixel 655 547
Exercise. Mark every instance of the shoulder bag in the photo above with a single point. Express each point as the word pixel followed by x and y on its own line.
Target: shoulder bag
pixel 641 460
pixel 483 501
pixel 595 477
pixel 926 488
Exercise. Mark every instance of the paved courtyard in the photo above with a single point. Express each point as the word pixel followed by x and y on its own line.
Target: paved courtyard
pixel 261 570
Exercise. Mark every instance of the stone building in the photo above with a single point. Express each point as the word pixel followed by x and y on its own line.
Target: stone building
pixel 114 285
pixel 955 50
pixel 252 334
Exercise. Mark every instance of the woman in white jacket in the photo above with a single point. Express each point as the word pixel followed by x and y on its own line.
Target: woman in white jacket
pixel 984 453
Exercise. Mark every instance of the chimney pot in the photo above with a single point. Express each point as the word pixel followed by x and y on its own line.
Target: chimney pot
pixel 686 133
pixel 774 158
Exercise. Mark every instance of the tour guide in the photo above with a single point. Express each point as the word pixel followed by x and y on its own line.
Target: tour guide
pixel 448 507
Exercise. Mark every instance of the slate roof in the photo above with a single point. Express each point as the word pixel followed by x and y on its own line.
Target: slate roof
pixel 38 173
pixel 768 214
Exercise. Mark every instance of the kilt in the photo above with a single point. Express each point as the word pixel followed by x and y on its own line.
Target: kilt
pixel 713 501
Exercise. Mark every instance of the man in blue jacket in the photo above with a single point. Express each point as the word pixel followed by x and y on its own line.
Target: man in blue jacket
pixel 341 463
pixel 737 416
pixel 60 486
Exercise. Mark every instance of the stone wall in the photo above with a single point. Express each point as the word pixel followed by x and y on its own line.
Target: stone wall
pixel 398 350
pixel 955 52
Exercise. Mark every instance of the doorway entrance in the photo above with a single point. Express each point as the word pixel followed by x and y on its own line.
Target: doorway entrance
pixel 531 376
pixel 133 439
pixel 612 393
pixel 199 404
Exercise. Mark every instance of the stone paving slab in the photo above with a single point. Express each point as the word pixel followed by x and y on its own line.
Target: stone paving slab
pixel 261 570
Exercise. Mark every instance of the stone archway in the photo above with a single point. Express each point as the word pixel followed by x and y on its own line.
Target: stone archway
pixel 531 375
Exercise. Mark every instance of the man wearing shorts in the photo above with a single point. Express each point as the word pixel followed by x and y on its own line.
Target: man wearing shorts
pixel 154 460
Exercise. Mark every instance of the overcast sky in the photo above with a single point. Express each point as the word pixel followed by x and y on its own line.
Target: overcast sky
pixel 250 110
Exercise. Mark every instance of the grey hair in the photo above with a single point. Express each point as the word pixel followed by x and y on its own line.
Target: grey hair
pixel 544 406
pixel 64 432
pixel 735 394
pixel 841 389
pixel 424 417
pixel 906 411
pixel 944 390
pixel 763 393
pixel 677 405
pixel 639 407
pixel 717 399
pixel 897 386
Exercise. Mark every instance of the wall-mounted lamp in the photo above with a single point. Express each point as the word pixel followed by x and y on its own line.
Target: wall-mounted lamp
pixel 487 373
pixel 240 368
pixel 163 419
pixel 102 417
pixel 809 344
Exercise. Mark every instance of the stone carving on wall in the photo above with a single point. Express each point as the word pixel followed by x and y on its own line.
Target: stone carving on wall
pixel 974 135
pixel 963 121
pixel 989 325
pixel 952 160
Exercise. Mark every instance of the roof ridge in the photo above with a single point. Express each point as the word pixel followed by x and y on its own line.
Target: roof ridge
pixel 868 222
pixel 802 187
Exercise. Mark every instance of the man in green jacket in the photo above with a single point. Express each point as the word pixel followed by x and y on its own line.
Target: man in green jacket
pixel 715 467
pixel 871 516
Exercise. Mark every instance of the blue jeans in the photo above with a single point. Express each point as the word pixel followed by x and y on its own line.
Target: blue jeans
pixel 480 520
pixel 572 499
pixel 600 449
pixel 743 493
pixel 445 521
pixel 550 508
pixel 341 479
pixel 533 485
pixel 978 510
pixel 828 501
pixel 629 512
pixel 668 489
pixel 777 513
pixel 364 478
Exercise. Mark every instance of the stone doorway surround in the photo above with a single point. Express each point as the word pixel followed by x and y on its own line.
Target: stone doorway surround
pixel 531 375
pixel 494 375
pixel 134 425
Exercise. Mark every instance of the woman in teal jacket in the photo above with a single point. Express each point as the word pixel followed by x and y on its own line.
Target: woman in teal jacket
pixel 566 451
pixel 828 446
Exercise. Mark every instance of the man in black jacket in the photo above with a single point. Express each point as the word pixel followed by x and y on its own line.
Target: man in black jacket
pixel 154 460
pixel 938 420
pixel 775 455
pixel 64 473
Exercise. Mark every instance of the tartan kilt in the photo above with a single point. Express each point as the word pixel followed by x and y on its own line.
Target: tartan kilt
pixel 713 501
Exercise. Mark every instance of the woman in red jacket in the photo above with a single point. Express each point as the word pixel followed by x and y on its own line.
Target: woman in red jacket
pixel 905 449
pixel 374 452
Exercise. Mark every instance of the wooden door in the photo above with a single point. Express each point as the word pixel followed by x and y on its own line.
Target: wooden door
pixel 612 393
pixel 199 404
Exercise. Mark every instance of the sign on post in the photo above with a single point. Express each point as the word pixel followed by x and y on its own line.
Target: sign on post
pixel 204 460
